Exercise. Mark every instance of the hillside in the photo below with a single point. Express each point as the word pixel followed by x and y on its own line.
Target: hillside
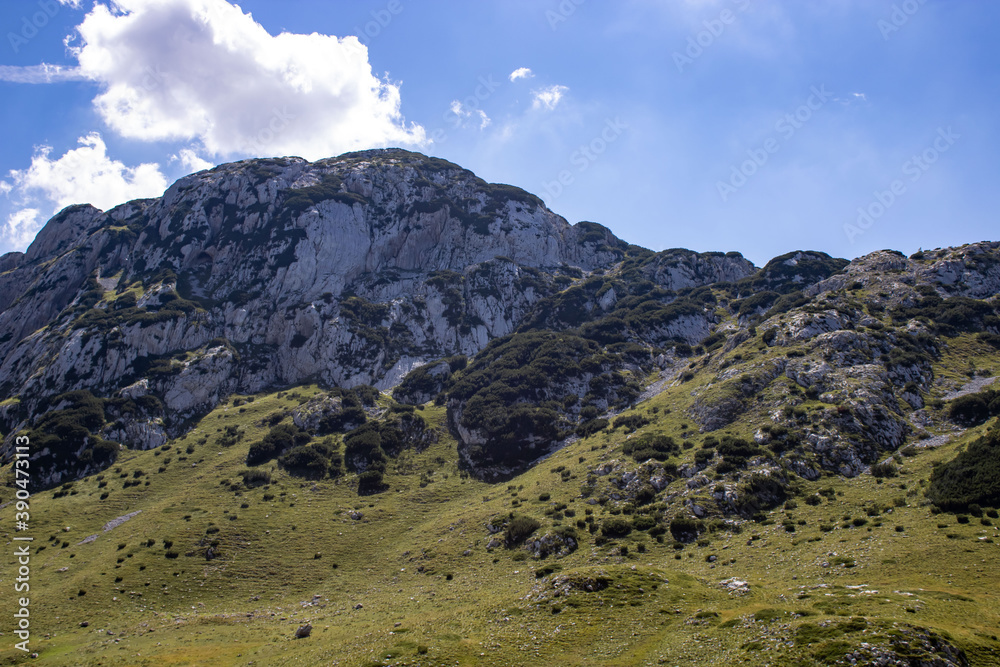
pixel 432 420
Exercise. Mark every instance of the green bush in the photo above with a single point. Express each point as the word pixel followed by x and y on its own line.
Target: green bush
pixel 643 522
pixel 370 482
pixel 974 409
pixel 883 470
pixel 659 447
pixel 972 477
pixel 684 529
pixel 615 527
pixel 519 529
pixel 277 440
pixel 758 493
pixel 253 478
pixel 630 423
pixel 305 460
pixel 591 426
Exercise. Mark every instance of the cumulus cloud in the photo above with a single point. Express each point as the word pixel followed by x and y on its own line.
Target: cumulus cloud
pixel 190 161
pixel 521 73
pixel 202 70
pixel 82 175
pixel 547 98
pixel 85 175
pixel 21 228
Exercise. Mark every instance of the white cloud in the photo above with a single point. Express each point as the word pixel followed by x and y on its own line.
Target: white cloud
pixel 547 98
pixel 5 187
pixel 75 4
pixel 86 175
pixel 190 160
pixel 461 113
pixel 43 73
pixel 21 228
pixel 202 70
pixel 521 73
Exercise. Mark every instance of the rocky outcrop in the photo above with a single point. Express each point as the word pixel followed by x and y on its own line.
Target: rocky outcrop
pixel 352 270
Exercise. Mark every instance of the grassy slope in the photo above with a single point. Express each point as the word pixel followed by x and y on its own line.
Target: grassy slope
pixel 663 606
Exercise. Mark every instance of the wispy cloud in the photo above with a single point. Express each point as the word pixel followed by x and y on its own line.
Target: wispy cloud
pixel 548 98
pixel 43 73
pixel 521 73
pixel 462 113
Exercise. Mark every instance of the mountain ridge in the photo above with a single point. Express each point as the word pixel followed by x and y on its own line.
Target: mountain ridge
pixel 345 376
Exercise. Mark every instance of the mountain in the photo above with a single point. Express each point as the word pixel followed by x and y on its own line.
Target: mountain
pixel 376 379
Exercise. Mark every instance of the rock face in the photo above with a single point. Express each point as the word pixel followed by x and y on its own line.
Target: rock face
pixel 393 269
pixel 351 270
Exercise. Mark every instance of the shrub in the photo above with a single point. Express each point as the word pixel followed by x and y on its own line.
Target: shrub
pixel 277 440
pixel 591 426
pixel 616 527
pixel 643 522
pixel 370 482
pixel 972 477
pixel 519 529
pixel 882 470
pixel 969 410
pixel 684 529
pixel 760 492
pixel 252 478
pixel 630 423
pixel 659 447
pixel 305 460
pixel 645 495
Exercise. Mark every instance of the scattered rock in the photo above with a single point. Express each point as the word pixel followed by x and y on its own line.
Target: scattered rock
pixel 735 586
pixel 303 631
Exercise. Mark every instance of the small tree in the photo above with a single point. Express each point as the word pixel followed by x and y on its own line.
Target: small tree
pixel 519 529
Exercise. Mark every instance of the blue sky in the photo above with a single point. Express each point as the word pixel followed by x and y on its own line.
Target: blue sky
pixel 843 125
